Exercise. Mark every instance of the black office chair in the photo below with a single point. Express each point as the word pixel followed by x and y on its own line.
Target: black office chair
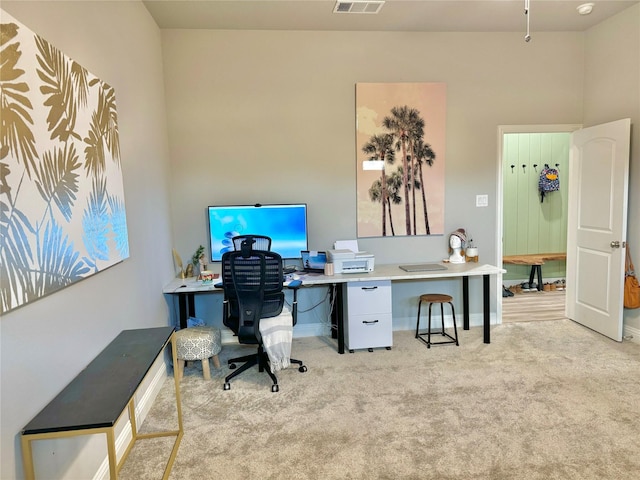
pixel 253 289
pixel 258 242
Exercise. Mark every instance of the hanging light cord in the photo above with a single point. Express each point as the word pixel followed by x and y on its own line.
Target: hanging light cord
pixel 527 37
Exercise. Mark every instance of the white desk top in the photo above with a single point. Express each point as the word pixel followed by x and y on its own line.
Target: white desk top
pixel 381 272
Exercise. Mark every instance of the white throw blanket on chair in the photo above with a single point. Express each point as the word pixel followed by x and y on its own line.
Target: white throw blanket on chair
pixel 277 333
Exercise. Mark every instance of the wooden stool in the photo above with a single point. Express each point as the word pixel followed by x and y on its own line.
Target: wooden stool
pixel 198 343
pixel 441 299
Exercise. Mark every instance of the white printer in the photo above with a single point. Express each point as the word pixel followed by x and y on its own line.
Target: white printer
pixel 348 261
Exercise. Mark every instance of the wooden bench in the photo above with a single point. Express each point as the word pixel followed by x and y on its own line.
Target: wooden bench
pixel 536 260
pixel 97 398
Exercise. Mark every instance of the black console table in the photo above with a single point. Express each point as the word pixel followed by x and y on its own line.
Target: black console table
pixel 97 398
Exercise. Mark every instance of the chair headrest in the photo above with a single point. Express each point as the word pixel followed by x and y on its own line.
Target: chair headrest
pixel 246 247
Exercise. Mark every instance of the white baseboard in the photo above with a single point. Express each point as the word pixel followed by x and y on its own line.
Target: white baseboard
pixel 399 324
pixel 631 334
pixel 322 329
pixel 143 402
pixel 509 283
pixel 300 330
pixel 475 320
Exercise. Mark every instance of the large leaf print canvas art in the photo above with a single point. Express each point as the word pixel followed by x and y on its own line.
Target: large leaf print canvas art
pixel 62 211
pixel 400 155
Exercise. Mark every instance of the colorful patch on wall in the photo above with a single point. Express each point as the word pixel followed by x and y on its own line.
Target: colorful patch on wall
pixel 62 209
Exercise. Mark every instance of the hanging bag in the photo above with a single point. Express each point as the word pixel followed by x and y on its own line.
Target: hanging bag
pixel 548 181
pixel 631 285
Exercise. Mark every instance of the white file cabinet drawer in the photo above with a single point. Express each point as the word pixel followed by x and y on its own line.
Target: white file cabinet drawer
pixel 369 297
pixel 368 322
pixel 369 331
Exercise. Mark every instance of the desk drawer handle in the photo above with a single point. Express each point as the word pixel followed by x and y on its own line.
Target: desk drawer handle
pixel 369 289
pixel 369 322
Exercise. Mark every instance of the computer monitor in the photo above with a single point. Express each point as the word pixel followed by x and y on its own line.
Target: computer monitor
pixel 286 224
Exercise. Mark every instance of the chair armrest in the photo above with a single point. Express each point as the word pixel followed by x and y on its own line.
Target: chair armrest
pixel 295 286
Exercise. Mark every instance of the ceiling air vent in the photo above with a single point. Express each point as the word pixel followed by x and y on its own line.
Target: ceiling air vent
pixel 358 6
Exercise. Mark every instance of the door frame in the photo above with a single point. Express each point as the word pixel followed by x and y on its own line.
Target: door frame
pixel 502 130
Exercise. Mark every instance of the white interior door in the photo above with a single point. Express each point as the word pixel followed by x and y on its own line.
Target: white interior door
pixel 597 228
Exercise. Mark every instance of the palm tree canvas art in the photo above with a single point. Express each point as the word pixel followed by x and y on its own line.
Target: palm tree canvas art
pixel 62 215
pixel 400 135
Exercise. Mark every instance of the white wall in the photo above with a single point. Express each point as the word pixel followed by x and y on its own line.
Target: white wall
pixel 46 343
pixel 612 92
pixel 269 116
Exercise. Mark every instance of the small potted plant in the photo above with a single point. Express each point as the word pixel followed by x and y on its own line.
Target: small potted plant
pixel 197 260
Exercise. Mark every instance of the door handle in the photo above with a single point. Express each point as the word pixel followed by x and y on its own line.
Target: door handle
pixel 615 244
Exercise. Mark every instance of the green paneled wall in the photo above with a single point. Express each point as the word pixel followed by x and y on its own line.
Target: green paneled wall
pixel 529 225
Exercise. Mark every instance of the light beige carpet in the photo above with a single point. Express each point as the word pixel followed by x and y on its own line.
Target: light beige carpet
pixel 545 400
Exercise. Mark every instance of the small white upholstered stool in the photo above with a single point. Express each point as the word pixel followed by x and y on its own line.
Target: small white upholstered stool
pixel 198 343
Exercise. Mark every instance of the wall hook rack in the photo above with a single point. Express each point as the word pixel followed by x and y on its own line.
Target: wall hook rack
pixel 524 167
pixel 535 167
pixel 512 167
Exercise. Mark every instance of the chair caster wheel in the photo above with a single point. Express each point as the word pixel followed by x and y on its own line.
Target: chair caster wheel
pixel 232 366
pixel 302 368
pixel 388 348
pixel 351 351
pixel 275 388
pixel 370 350
pixel 227 386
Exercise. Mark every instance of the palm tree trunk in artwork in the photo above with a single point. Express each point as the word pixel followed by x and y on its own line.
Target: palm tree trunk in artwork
pixel 416 133
pixel 383 181
pixel 393 231
pixel 394 184
pixel 424 154
pixel 424 201
pixel 405 185
pixel 413 190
